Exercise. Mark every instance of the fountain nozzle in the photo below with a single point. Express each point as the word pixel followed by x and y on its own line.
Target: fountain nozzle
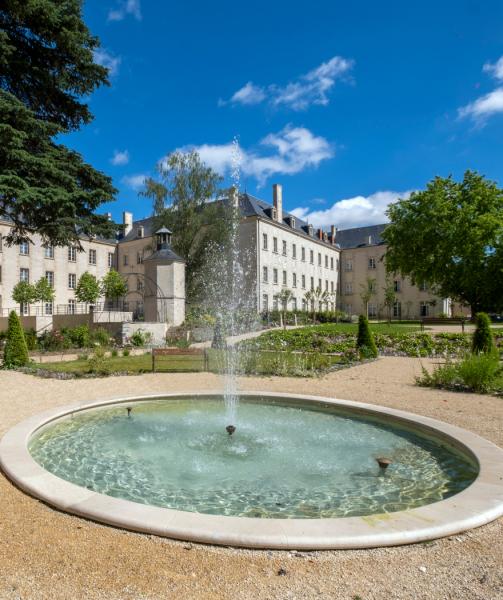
pixel 230 429
pixel 129 409
pixel 383 463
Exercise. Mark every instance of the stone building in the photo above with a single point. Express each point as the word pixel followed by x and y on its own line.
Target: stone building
pixel 362 266
pixel 61 266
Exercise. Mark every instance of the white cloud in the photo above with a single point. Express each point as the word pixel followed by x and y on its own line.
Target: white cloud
pixel 125 8
pixel 107 60
pixel 495 70
pixel 489 104
pixel 293 150
pixel 353 212
pixel 308 89
pixel 120 157
pixel 135 182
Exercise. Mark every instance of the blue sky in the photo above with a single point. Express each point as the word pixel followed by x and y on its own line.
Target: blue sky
pixel 348 105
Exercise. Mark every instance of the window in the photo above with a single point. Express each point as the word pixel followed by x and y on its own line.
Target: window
pixel 397 309
pixel 72 281
pixel 275 275
pixel 349 309
pixel 49 251
pixel 0 278
pixel 304 304
pixel 372 263
pixel 349 265
pixel 72 253
pixel 71 306
pixel 372 309
pixel 284 248
pixel 423 287
pixel 48 308
pixel 275 245
pixel 311 257
pixel 125 260
pixel 24 275
pixel 312 283
pixel 294 251
pixel 303 254
pixel 275 303
pixel 326 261
pixel 265 300
pixel 139 258
pixel 397 286
pixel 319 259
pixel 264 274
pixel 139 285
pixel 332 287
pixel 110 259
pixel 24 248
pixel 326 285
pixel 424 309
pixel 1 242
pixel 92 257
pixel 49 275
pixel 337 265
pixel 319 284
pixel 294 280
pixel 332 263
pixel 284 277
pixel 348 287
pixel 264 244
pixel 294 303
pixel 24 309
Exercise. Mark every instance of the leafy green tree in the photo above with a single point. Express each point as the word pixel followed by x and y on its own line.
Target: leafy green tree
pixel 201 229
pixel 390 297
pixel 113 285
pixel 47 68
pixel 44 292
pixel 451 236
pixel 365 340
pixel 88 288
pixel 284 298
pixel 16 350
pixel 368 292
pixel 24 293
pixel 482 341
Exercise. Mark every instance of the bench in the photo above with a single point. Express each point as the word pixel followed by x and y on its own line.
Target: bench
pixel 443 321
pixel 180 353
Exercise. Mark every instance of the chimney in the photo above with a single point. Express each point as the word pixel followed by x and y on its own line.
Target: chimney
pixel 333 233
pixel 277 201
pixel 127 221
pixel 320 233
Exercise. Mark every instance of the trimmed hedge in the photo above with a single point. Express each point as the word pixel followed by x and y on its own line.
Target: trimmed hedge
pixel 482 341
pixel 16 349
pixel 364 340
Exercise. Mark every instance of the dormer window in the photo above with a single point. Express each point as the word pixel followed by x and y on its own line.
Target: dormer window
pixel 291 221
pixel 141 231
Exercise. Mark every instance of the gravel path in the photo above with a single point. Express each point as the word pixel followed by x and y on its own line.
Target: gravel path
pixel 47 554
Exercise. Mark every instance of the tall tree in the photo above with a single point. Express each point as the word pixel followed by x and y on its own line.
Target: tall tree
pixel 47 59
pixel 451 236
pixel 24 293
pixel 46 69
pixel 367 293
pixel 182 200
pixel 390 297
pixel 88 288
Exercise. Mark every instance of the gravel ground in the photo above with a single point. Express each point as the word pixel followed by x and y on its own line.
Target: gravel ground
pixel 48 554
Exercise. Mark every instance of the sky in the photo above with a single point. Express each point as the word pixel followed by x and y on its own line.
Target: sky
pixel 349 105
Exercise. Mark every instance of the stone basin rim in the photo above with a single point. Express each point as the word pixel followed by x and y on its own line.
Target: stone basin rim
pixel 480 503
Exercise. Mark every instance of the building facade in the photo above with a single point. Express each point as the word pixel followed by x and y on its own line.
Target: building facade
pixel 61 266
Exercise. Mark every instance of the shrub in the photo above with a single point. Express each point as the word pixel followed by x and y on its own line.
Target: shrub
pixel 51 341
pixel 126 352
pixel 79 337
pixel 31 339
pixel 140 338
pixel 115 353
pixel 365 341
pixel 482 338
pixel 100 337
pixel 476 372
pixel 98 363
pixel 16 350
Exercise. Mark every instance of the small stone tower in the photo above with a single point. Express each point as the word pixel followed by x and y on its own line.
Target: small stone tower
pixel 164 299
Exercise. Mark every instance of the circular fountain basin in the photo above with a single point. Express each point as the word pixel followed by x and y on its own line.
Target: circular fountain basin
pixel 298 472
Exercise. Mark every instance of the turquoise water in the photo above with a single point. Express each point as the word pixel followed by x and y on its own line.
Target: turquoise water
pixel 284 461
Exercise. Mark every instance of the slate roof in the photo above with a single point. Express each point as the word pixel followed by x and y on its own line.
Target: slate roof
pixel 148 230
pixel 358 236
pixel 165 253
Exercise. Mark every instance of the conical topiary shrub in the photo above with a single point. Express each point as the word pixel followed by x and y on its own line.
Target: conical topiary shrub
pixel 365 341
pixel 16 350
pixel 482 341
